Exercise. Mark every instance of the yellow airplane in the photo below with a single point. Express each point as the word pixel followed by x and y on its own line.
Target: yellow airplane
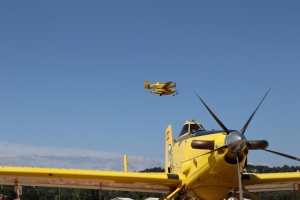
pixel 159 85
pixel 161 88
pixel 164 92
pixel 199 164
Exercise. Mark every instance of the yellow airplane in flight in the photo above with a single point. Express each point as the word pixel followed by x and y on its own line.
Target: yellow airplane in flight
pixel 199 164
pixel 161 88
pixel 158 85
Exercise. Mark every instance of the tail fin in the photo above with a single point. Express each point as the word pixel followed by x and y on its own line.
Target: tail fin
pixel 169 150
pixel 147 84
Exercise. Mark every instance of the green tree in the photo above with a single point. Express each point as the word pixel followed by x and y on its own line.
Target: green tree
pixel 45 193
pixel 31 194
pixel 95 194
pixel 81 194
pixel 9 192
pixel 154 169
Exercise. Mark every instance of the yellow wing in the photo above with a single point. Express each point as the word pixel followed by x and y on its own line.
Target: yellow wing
pixel 89 179
pixel 166 85
pixel 271 181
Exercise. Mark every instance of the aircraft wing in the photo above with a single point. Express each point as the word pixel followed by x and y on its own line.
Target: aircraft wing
pixel 166 85
pixel 89 179
pixel 271 181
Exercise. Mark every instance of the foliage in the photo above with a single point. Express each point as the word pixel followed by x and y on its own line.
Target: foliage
pixel 30 194
pixel 81 194
pixel 266 169
pixel 9 192
pixel 154 169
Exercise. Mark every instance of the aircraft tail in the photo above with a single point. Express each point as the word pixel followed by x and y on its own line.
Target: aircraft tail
pixel 147 84
pixel 169 149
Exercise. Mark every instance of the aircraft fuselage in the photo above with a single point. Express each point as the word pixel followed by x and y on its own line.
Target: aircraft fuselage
pixel 211 176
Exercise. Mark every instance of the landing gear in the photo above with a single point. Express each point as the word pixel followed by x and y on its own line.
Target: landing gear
pixel 178 194
pixel 296 191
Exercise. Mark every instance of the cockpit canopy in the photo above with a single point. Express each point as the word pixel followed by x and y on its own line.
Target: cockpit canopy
pixel 191 127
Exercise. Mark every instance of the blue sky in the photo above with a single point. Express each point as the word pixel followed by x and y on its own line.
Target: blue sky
pixel 72 74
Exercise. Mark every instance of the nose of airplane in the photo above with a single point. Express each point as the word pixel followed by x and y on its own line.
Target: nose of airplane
pixel 236 142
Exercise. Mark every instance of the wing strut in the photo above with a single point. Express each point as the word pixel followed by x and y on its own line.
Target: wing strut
pixel 296 191
pixel 170 195
pixel 125 163
pixel 250 194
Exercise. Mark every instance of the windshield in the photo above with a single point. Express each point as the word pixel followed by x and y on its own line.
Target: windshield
pixel 193 129
pixel 184 130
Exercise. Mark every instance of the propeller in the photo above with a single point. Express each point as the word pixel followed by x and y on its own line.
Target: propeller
pixel 236 141
pixel 175 88
pixel 247 123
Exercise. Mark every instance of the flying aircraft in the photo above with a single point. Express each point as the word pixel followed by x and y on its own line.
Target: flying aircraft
pixel 159 85
pixel 161 88
pixel 164 91
pixel 199 164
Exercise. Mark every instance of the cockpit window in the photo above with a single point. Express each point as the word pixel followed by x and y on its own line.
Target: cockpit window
pixel 195 128
pixel 184 130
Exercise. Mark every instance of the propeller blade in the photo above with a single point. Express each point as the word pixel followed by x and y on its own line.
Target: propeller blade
pixel 257 144
pixel 282 154
pixel 214 116
pixel 239 177
pixel 221 147
pixel 249 120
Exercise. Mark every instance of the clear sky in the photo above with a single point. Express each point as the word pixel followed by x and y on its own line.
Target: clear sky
pixel 72 76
